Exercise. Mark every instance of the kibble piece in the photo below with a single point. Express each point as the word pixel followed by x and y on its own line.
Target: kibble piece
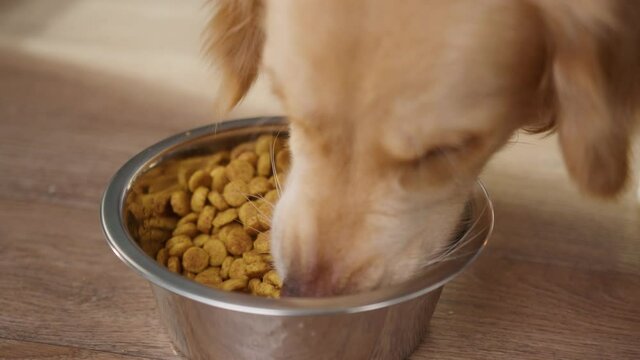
pixel 198 179
pixel 268 258
pixel 180 203
pixel 225 217
pixel 205 219
pixel 195 259
pixel 180 248
pixel 264 215
pixel 210 277
pixel 272 278
pixel 259 185
pixel 199 198
pixel 248 215
pixel 188 229
pixel 250 157
pixel 264 143
pixel 283 161
pixel 241 148
pixel 176 240
pixel 219 178
pixel 162 257
pixel 261 244
pixel 201 239
pixel 162 222
pixel 189 218
pixel 238 242
pixel 264 289
pixel 234 285
pixel 252 285
pixel 217 159
pixel 251 257
pixel 235 192
pixel 173 264
pixel 264 165
pixel 189 274
pixel 238 269
pixel 217 252
pixel 224 231
pixel 257 269
pixel 224 268
pixel 239 170
pixel 216 199
pixel 272 197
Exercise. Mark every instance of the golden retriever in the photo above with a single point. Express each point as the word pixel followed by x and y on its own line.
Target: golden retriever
pixel 396 106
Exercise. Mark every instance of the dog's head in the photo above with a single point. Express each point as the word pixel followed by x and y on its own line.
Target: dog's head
pixel 395 107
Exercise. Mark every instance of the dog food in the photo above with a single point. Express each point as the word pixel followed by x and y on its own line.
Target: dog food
pixel 208 217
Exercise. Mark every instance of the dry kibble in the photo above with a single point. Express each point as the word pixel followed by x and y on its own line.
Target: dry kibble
pixel 272 196
pixel 163 222
pixel 238 269
pixel 264 143
pixel 250 157
pixel 251 257
pixel 195 259
pixel 234 284
pixel 256 269
pixel 238 242
pixel 259 185
pixel 283 161
pixel 216 199
pixel 268 258
pixel 162 256
pixel 252 285
pixel 177 240
pixel 173 263
pixel 201 239
pixel 205 219
pixel 217 252
pixel 179 249
pixel 224 231
pixel 264 165
pixel 224 268
pixel 219 179
pixel 210 277
pixel 242 148
pixel 188 229
pixel 239 170
pixel 261 245
pixel 189 274
pixel 225 217
pixel 264 215
pixel 180 203
pixel 190 217
pixel 272 278
pixel 235 193
pixel 248 215
pixel 264 289
pixel 216 159
pixel 199 198
pixel 198 179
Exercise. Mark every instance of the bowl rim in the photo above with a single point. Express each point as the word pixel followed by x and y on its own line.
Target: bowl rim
pixel 127 250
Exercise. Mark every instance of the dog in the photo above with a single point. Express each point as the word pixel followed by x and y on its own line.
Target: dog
pixel 396 106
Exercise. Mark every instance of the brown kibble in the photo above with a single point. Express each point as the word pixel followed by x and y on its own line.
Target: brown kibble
pixel 219 179
pixel 264 215
pixel 217 252
pixel 225 217
pixel 217 159
pixel 177 240
pixel 161 222
pixel 195 260
pixel 251 257
pixel 261 245
pixel 201 239
pixel 180 203
pixel 209 277
pixel 238 269
pixel 265 289
pixel 189 218
pixel 264 143
pixel 235 193
pixel 162 256
pixel 205 219
pixel 283 161
pixel 199 198
pixel 242 148
pixel 264 165
pixel 238 242
pixel 239 170
pixel 250 157
pixel 173 264
pixel 259 185
pixel 188 229
pixel 200 178
pixel 257 269
pixel 252 285
pixel 224 231
pixel 224 268
pixel 180 248
pixel 216 199
pixel 272 197
pixel 272 278
pixel 189 274
pixel 234 285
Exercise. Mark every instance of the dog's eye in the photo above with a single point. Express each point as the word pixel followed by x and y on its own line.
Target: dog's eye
pixel 451 150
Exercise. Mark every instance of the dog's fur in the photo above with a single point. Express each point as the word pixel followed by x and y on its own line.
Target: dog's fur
pixel 395 107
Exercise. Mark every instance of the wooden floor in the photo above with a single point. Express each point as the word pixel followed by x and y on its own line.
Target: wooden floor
pixel 559 280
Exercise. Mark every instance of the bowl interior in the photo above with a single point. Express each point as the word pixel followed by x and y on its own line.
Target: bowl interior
pixel 119 227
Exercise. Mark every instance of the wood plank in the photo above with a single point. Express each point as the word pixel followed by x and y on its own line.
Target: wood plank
pixel 14 350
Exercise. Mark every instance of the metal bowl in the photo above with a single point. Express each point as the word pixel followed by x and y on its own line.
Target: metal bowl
pixel 205 323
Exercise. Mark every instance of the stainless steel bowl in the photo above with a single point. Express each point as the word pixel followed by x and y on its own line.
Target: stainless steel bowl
pixel 205 323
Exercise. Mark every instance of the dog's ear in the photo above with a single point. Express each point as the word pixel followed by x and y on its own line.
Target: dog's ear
pixel 593 86
pixel 235 38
